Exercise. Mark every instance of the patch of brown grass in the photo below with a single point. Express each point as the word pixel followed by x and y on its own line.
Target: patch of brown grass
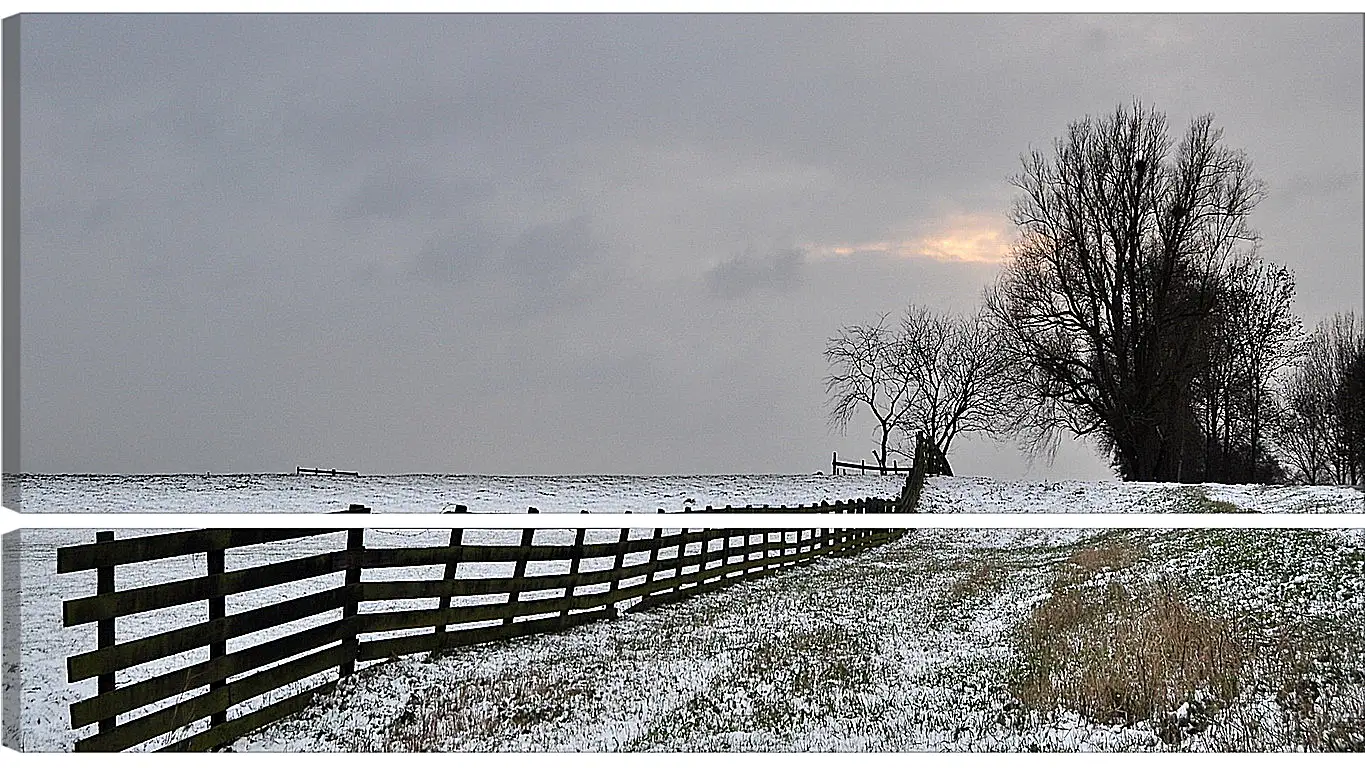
pixel 978 580
pixel 1111 555
pixel 1120 655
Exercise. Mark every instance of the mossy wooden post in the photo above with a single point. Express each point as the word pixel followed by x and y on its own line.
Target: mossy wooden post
pixel 355 559
pixel 519 570
pixel 574 565
pixel 452 570
pixel 104 584
pixel 217 612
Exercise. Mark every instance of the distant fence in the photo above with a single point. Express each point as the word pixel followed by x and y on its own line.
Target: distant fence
pixel 207 703
pixel 926 453
pixel 332 472
pixel 863 466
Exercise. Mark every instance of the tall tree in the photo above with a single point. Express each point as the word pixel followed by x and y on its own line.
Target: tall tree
pixel 1322 435
pixel 955 369
pixel 1351 405
pixel 1124 240
pixel 867 374
pixel 1251 337
pixel 1305 432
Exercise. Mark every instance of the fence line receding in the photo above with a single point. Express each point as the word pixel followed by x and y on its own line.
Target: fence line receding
pixel 351 603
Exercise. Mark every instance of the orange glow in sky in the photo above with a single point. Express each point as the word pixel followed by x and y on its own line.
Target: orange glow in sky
pixel 976 239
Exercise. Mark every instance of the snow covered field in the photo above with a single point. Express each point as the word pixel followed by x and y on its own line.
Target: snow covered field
pixel 982 495
pixel 912 646
pixel 898 625
pixel 44 644
pixel 244 494
pixel 432 494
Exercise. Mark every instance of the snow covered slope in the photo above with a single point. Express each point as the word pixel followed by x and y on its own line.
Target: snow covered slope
pixel 982 495
pixel 911 646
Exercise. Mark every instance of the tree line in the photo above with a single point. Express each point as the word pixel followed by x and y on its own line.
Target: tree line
pixel 1134 311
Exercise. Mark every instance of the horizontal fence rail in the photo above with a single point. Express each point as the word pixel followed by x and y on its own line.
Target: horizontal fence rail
pixel 863 467
pixel 208 692
pixel 194 694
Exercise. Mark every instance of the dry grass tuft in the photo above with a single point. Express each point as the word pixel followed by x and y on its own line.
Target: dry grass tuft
pixel 1108 556
pixel 1119 655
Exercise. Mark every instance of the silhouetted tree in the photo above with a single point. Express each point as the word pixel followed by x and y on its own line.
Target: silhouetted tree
pixel 1322 434
pixel 1351 404
pixel 955 368
pixel 1305 431
pixel 1249 339
pixel 867 374
pixel 1124 243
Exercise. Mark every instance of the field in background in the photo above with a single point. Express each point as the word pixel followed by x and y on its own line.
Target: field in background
pixel 433 494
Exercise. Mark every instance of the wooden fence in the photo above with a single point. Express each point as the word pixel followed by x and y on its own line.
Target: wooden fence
pixel 203 693
pixel 204 703
pixel 863 467
pixel 928 458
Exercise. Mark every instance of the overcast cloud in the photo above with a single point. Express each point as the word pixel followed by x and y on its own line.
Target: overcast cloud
pixel 568 244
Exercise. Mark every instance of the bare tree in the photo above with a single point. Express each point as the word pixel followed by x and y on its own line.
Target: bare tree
pixel 1322 435
pixel 1251 337
pixel 1351 405
pixel 1304 436
pixel 954 367
pixel 1123 244
pixel 867 374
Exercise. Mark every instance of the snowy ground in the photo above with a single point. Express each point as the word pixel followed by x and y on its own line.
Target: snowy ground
pixel 44 644
pixel 432 494
pixel 906 585
pixel 243 494
pixel 910 646
pixel 983 495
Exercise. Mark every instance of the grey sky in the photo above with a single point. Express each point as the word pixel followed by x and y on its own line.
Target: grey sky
pixel 566 244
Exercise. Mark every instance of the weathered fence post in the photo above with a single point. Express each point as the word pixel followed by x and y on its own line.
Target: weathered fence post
pixel 617 565
pixel 452 569
pixel 748 542
pixel 654 558
pixel 355 558
pixel 682 551
pixel 724 552
pixel 105 628
pixel 217 612
pixel 574 565
pixel 519 570
pixel 705 558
